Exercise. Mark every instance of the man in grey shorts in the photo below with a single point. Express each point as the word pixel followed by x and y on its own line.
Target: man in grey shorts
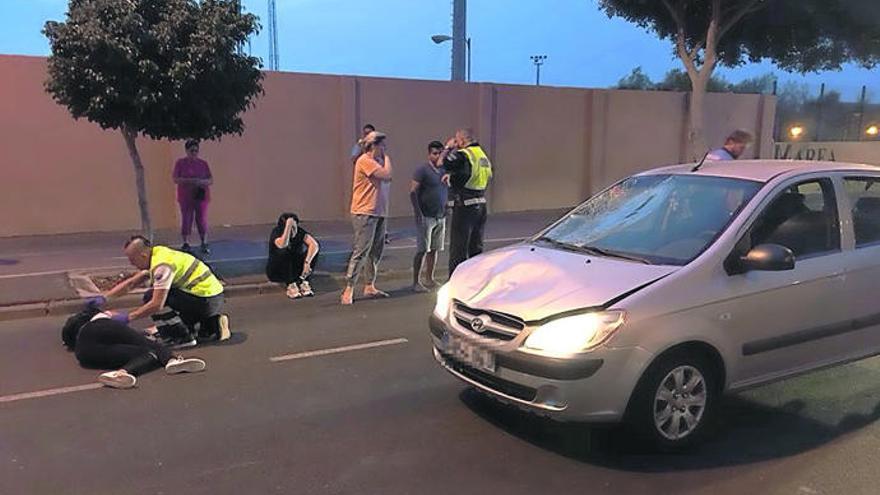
pixel 428 194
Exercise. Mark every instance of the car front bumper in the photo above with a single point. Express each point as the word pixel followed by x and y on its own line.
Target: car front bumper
pixel 593 387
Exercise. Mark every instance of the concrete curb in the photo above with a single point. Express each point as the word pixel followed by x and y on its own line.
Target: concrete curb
pixel 321 282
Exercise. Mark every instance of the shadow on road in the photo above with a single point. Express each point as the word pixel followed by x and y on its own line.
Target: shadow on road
pixel 746 432
pixel 237 338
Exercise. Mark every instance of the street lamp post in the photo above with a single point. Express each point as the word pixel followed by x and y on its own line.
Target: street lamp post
pixel 538 60
pixel 468 42
pixel 441 38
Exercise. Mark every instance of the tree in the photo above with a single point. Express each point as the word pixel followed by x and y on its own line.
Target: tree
pixel 167 69
pixel 756 85
pixel 798 35
pixel 636 80
pixel 678 80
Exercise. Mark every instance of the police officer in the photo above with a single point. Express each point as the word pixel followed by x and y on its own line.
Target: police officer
pixel 469 172
pixel 184 292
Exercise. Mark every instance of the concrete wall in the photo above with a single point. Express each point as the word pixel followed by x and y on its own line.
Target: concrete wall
pixel 853 152
pixel 551 147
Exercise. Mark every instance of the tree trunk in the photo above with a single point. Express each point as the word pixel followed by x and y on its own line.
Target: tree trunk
pixel 146 226
pixel 696 140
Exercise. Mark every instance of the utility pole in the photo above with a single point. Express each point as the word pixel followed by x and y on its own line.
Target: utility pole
pixel 821 103
pixel 459 39
pixel 273 37
pixel 862 111
pixel 538 60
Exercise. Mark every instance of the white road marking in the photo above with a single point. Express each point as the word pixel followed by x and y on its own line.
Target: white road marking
pixel 300 355
pixel 337 350
pixel 50 392
pixel 221 260
pixel 60 272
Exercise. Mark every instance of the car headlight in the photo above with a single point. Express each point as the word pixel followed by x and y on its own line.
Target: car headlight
pixel 574 334
pixel 441 308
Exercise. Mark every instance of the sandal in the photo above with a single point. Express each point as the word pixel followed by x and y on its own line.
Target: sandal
pixel 378 294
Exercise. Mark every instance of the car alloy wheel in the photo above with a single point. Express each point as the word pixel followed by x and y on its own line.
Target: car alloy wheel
pixel 679 402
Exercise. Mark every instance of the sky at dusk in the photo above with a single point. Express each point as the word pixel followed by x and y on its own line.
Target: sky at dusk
pixel 391 38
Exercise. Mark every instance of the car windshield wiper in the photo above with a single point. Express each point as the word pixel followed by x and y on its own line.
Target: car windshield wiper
pixel 561 245
pixel 613 254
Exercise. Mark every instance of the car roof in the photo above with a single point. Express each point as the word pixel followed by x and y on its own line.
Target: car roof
pixel 762 170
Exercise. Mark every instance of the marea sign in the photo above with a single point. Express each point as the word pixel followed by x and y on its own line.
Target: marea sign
pixel 788 151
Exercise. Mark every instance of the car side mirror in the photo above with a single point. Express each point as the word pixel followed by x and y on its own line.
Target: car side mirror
pixel 768 258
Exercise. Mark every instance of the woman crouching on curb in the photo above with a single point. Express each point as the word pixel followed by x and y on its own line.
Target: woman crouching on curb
pixel 102 342
pixel 293 254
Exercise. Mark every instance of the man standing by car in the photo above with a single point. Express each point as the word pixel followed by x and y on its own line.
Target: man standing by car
pixel 470 172
pixel 428 194
pixel 734 146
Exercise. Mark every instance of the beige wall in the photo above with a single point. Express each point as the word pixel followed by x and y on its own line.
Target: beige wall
pixel 539 151
pixel 551 147
pixel 60 175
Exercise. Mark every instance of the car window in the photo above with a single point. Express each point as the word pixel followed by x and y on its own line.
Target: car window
pixel 802 218
pixel 864 196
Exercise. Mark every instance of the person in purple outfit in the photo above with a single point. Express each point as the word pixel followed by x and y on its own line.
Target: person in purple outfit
pixel 193 178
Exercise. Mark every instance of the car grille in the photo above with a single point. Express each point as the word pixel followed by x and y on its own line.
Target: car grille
pixel 505 387
pixel 501 326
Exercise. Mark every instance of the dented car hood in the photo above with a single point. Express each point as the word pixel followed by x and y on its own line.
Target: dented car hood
pixel 532 282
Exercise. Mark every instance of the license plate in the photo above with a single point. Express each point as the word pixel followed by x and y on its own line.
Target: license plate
pixel 470 354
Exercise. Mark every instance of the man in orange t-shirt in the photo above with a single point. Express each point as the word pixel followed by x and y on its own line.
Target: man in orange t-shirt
pixel 371 189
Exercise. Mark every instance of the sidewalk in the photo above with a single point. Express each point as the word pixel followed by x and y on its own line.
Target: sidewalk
pixel 35 272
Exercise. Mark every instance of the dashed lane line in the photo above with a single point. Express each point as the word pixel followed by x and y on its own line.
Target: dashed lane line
pixel 337 350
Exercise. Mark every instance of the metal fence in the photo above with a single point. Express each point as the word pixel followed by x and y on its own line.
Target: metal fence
pixel 827 113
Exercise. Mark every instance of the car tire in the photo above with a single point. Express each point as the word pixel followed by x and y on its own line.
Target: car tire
pixel 675 401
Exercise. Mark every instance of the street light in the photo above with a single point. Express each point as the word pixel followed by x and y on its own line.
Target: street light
pixel 796 131
pixel 538 60
pixel 872 131
pixel 441 38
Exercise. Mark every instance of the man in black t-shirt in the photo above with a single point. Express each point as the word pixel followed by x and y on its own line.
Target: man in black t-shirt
pixel 428 194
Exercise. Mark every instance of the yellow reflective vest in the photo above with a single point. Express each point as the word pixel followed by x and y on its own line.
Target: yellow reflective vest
pixel 190 274
pixel 481 168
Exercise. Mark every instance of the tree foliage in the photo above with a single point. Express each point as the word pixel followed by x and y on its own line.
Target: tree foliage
pixel 164 68
pixel 798 35
pixel 678 80
pixel 636 79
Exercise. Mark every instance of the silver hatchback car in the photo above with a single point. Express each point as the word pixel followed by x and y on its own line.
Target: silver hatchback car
pixel 669 288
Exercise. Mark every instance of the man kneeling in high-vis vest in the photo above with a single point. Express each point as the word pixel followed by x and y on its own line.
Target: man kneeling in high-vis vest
pixel 184 294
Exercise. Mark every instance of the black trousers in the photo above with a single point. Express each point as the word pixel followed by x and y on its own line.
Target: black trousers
pixel 466 233
pixel 108 344
pixel 286 267
pixel 183 311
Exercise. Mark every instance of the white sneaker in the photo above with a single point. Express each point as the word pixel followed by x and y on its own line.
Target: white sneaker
pixel 305 288
pixel 179 364
pixel 293 292
pixel 117 379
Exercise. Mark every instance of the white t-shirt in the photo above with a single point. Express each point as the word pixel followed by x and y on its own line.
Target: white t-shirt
pixel 162 277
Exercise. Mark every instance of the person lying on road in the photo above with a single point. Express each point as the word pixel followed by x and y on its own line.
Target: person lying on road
pixel 100 340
